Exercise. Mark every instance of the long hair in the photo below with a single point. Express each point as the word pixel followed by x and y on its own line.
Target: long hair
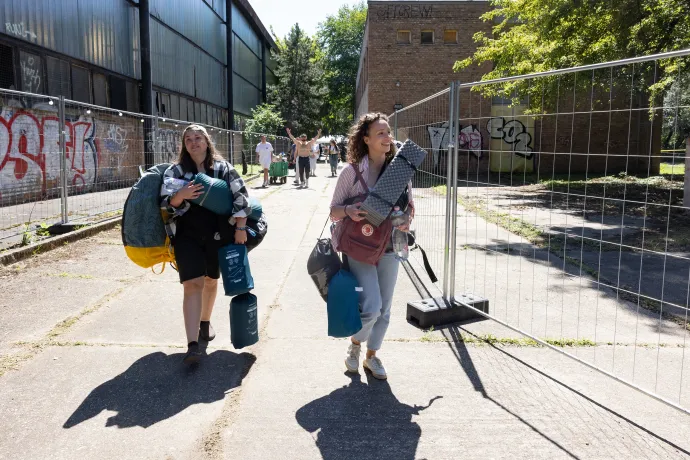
pixel 185 159
pixel 356 148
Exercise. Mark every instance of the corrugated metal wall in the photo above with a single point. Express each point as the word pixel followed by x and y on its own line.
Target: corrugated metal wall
pixel 104 33
pixel 176 65
pixel 194 20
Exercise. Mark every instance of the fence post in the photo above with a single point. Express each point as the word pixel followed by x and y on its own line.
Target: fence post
pixel 63 163
pixel 455 133
pixel 686 179
pixel 395 126
pixel 447 248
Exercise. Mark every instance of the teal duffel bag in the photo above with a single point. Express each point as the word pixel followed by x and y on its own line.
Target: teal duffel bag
pixel 244 321
pixel 234 267
pixel 217 197
pixel 343 305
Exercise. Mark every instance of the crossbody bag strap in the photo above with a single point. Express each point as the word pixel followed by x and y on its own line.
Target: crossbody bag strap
pixel 360 178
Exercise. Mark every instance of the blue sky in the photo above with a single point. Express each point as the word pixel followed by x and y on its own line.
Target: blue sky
pixel 282 14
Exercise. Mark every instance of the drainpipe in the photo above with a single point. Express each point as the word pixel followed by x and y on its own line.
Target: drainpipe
pixel 228 34
pixel 146 82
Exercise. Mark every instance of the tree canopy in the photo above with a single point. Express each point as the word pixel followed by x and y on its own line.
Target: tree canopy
pixel 340 38
pixel 266 119
pixel 538 35
pixel 300 89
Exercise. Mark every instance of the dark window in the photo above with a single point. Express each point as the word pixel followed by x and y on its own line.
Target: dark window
pixel 197 113
pixel 7 64
pixel 81 84
pixel 175 106
pixel 183 109
pixel 118 93
pixel 190 111
pixel 427 37
pixel 133 97
pixel 404 37
pixel 100 90
pixel 59 81
pixel 31 72
pixel 165 105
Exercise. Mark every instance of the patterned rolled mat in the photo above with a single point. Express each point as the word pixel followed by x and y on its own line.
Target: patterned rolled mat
pixel 392 183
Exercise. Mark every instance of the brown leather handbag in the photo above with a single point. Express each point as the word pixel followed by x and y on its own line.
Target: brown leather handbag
pixel 361 240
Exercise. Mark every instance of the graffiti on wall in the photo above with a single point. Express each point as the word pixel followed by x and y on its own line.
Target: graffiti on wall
pixel 20 30
pixel 514 133
pixel 30 150
pixel 168 144
pixel 469 140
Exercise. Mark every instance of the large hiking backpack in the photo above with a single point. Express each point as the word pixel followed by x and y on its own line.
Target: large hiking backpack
pixel 143 223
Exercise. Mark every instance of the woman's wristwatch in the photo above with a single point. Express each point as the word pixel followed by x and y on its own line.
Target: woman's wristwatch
pixel 244 229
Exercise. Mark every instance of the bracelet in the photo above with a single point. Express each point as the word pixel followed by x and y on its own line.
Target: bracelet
pixel 244 229
pixel 346 214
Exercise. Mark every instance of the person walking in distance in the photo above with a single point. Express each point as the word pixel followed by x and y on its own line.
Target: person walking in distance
pixel 265 152
pixel 370 149
pixel 293 156
pixel 303 152
pixel 197 231
pixel 333 157
pixel 315 152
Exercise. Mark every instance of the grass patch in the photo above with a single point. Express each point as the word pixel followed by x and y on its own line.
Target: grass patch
pixel 668 169
pixel 71 275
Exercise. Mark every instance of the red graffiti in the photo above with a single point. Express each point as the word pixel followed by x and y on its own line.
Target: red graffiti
pixel 30 152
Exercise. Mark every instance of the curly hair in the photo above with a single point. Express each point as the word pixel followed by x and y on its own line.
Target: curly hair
pixel 185 159
pixel 356 148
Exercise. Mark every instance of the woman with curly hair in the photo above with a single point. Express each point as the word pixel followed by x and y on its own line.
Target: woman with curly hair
pixel 370 149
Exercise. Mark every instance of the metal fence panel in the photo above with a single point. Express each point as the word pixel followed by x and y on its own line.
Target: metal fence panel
pixel 570 219
pixel 30 165
pixel 66 162
pixel 427 124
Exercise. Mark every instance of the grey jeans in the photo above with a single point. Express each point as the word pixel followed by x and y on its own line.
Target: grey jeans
pixel 378 284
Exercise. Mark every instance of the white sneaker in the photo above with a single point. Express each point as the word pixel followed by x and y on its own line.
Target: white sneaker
pixel 376 367
pixel 306 185
pixel 352 360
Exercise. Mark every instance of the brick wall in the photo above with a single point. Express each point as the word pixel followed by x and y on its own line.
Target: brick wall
pixel 422 70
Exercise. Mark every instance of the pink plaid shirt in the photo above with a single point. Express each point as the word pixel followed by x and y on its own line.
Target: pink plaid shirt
pixel 347 187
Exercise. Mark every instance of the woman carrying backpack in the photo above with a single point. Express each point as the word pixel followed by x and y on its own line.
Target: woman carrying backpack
pixel 197 237
pixel 371 147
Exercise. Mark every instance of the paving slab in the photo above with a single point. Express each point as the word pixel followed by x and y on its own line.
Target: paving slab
pixel 31 305
pixel 441 401
pixel 143 404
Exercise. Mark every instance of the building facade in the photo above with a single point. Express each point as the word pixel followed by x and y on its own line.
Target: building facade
pixel 89 51
pixel 407 55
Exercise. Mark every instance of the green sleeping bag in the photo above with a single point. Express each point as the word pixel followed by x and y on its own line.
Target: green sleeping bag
pixel 217 197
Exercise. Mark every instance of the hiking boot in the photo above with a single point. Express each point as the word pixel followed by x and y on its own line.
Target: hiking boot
pixel 376 367
pixel 352 360
pixel 193 354
pixel 206 331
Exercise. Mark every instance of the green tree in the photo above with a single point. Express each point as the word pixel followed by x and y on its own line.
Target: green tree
pixel 539 35
pixel 266 119
pixel 340 37
pixel 301 89
pixel 676 127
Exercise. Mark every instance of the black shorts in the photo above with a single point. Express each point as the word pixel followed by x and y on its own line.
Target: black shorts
pixel 196 257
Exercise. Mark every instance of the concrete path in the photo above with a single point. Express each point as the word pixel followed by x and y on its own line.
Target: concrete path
pixel 91 348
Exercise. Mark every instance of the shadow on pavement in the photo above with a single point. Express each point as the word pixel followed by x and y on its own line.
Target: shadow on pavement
pixel 364 421
pixel 158 386
pixel 616 424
